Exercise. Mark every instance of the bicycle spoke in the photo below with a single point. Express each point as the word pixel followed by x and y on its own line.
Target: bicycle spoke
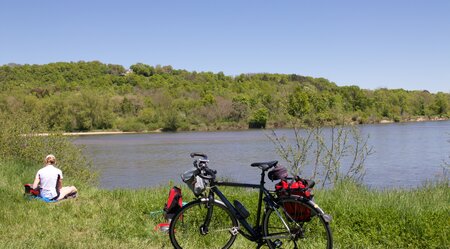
pixel 189 231
pixel 303 231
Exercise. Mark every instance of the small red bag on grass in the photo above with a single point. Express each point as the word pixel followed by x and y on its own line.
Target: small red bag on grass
pixel 30 191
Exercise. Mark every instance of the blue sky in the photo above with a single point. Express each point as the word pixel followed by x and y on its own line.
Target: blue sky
pixel 372 44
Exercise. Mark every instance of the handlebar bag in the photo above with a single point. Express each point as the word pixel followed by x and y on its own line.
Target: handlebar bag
pixel 297 212
pixel 194 182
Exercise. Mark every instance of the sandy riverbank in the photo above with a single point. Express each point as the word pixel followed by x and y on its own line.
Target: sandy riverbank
pixel 91 133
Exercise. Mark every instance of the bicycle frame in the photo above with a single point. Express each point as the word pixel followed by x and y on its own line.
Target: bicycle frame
pixel 255 234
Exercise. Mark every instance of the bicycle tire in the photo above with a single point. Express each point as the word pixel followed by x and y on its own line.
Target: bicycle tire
pixel 314 232
pixel 185 229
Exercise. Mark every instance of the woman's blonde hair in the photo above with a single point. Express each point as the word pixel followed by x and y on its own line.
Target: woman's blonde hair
pixel 50 159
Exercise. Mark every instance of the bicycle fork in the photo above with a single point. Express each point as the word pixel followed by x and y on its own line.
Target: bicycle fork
pixel 204 228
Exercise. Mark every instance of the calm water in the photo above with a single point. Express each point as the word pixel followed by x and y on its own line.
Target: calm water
pixel 405 154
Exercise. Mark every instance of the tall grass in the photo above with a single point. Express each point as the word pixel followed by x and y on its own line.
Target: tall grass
pixel 364 218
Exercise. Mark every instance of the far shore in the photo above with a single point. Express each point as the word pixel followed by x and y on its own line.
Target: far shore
pixel 115 132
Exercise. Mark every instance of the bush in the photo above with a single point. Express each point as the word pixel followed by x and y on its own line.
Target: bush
pixel 21 139
pixel 259 119
pixel 174 121
pixel 130 124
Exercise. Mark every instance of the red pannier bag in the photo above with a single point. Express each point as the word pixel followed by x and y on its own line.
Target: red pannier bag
pixel 296 211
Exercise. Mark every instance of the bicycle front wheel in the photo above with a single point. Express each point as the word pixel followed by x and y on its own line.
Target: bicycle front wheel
pixel 296 223
pixel 194 227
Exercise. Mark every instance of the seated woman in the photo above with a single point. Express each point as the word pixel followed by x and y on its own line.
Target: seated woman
pixel 49 181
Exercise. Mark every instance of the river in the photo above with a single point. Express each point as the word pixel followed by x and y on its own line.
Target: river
pixel 405 154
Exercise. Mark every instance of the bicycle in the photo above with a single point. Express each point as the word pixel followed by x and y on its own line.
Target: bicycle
pixel 211 223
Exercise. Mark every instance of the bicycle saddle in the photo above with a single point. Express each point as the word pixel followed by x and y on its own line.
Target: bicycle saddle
pixel 265 165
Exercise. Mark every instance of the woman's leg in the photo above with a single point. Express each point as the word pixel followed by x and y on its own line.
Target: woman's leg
pixel 64 191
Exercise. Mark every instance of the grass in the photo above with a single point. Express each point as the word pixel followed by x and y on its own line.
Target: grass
pixel 362 218
pixel 418 218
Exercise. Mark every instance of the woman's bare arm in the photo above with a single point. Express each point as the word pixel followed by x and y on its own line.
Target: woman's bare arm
pixel 37 180
pixel 59 184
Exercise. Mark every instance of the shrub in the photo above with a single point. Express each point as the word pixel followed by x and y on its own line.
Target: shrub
pixel 130 124
pixel 259 118
pixel 21 139
pixel 174 121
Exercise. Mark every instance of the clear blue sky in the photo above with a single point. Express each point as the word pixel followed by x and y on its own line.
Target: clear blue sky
pixel 372 44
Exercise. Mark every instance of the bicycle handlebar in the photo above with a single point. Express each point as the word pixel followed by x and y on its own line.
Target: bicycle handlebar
pixel 202 166
pixel 202 155
pixel 210 174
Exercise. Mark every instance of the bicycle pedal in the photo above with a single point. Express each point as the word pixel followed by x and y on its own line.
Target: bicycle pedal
pixel 277 243
pixel 234 231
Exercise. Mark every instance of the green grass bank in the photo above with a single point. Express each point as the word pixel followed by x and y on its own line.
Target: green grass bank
pixel 362 218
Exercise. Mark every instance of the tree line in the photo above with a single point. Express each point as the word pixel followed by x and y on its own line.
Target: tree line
pixel 84 96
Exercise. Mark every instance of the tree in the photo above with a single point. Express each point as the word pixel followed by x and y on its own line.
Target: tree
pixel 441 104
pixel 355 98
pixel 259 118
pixel 116 69
pixel 241 108
pixel 142 69
pixel 299 105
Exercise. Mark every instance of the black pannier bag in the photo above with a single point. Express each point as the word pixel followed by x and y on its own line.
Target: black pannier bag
pixel 278 173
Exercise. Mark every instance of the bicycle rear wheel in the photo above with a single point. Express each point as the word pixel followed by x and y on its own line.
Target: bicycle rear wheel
pixel 188 229
pixel 296 224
